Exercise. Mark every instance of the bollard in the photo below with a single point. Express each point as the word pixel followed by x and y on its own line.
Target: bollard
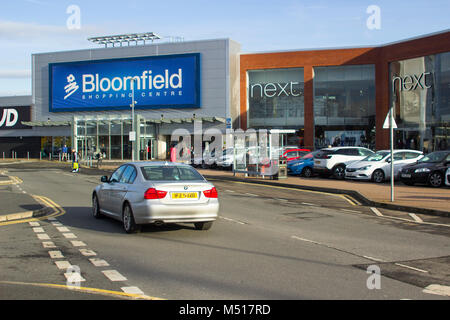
pixel 28 155
pixel 3 155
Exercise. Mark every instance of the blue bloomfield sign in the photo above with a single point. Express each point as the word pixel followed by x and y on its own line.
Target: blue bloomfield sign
pixel 159 82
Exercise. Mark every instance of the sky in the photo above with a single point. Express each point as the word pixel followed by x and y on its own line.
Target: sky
pixel 35 26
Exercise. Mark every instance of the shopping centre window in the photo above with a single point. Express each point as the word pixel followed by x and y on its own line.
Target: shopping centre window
pixel 344 106
pixel 275 98
pixel 420 93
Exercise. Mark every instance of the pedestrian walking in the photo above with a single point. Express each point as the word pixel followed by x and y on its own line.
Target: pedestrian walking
pixel 173 153
pixel 75 165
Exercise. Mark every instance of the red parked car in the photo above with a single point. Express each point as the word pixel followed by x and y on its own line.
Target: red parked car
pixel 294 154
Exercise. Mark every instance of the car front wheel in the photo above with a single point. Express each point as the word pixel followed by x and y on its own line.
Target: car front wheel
pixel 96 207
pixel 435 180
pixel 339 172
pixel 378 176
pixel 307 172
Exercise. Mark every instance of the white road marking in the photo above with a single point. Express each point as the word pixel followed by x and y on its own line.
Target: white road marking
pixel 78 243
pixel 48 244
pixel 63 229
pixel 132 290
pixel 415 217
pixel 437 289
pixel 309 204
pixel 412 268
pixel 230 191
pixel 99 262
pixel 56 254
pixel 57 224
pixel 251 194
pixel 376 211
pixel 374 259
pixel 279 199
pixel 69 235
pixel 43 236
pixel 34 224
pixel 52 219
pixel 114 275
pixel 232 220
pixel 352 211
pixel 63 265
pixel 87 252
pixel 38 229
pixel 24 192
pixel 74 277
pixel 306 240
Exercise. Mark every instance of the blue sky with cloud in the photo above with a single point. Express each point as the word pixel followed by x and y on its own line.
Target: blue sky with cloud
pixel 33 26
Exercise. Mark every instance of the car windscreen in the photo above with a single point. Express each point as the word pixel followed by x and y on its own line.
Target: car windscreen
pixel 434 157
pixel 170 173
pixel 378 156
pixel 309 155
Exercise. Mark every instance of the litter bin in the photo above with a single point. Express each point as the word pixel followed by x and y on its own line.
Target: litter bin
pixel 282 170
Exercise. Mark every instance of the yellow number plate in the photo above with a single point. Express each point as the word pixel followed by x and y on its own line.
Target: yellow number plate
pixel 184 195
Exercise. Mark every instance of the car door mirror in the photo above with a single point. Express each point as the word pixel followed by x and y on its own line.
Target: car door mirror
pixel 104 179
pixel 388 160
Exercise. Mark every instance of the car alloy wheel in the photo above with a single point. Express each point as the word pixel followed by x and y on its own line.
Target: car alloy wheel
pixel 435 179
pixel 128 220
pixel 378 176
pixel 307 172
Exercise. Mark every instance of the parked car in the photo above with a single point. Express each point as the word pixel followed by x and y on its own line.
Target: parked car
pixel 447 177
pixel 333 161
pixel 294 154
pixel 156 192
pixel 226 161
pixel 377 166
pixel 303 166
pixel 428 170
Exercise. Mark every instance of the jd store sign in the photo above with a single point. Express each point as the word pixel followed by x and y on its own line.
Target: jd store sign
pixel 171 81
pixel 12 117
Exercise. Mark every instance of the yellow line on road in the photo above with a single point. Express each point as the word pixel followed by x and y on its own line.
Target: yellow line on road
pixel 85 289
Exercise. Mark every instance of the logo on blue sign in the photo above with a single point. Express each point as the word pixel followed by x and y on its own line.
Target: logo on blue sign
pixel 159 82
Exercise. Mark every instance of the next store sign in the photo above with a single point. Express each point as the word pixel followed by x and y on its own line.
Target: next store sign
pixel 171 81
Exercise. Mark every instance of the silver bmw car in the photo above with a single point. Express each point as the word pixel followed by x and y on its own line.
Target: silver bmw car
pixel 156 192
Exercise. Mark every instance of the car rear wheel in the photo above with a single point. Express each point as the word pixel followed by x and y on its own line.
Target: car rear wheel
pixel 378 176
pixel 435 180
pixel 307 172
pixel 96 207
pixel 203 225
pixel 129 225
pixel 339 172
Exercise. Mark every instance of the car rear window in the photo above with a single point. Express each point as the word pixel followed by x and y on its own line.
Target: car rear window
pixel 170 173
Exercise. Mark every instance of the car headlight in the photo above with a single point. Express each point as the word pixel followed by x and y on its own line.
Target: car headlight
pixel 422 170
pixel 364 168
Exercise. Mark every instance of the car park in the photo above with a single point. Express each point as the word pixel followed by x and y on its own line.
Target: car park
pixel 302 166
pixel 333 161
pixel 294 154
pixel 377 166
pixel 156 193
pixel 430 169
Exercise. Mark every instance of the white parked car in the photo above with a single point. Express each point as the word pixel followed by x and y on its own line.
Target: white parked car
pixel 377 166
pixel 333 161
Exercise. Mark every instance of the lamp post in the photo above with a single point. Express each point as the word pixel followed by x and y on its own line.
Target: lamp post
pixel 132 136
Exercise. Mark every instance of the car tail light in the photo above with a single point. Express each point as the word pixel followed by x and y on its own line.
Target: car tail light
pixel 152 193
pixel 212 193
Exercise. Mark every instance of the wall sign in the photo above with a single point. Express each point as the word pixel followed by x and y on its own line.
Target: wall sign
pixel 171 81
pixel 12 117
pixel 271 89
pixel 412 82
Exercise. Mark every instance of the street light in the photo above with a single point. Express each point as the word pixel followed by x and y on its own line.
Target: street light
pixel 132 136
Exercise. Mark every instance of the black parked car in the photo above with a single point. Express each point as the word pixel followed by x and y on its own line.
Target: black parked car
pixel 429 170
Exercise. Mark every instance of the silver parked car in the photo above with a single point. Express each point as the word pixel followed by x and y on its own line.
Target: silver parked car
pixel 156 192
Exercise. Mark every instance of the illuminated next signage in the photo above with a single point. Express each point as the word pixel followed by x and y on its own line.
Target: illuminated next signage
pixel 271 90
